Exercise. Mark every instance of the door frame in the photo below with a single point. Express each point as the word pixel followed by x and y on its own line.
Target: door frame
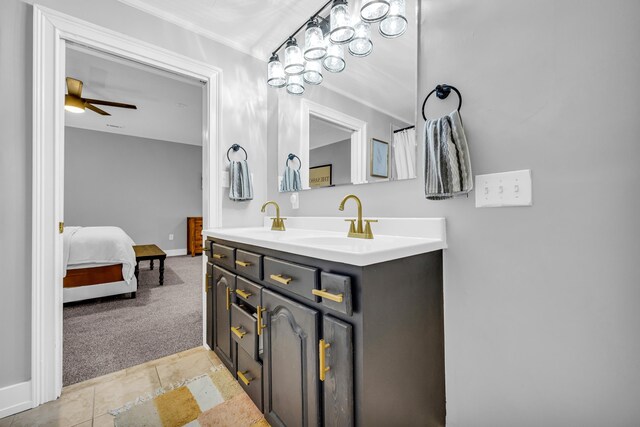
pixel 51 31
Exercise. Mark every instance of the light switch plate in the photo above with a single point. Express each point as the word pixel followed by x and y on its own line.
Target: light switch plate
pixel 504 189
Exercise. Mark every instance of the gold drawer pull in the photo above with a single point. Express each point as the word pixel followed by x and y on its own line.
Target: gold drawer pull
pixel 238 331
pixel 243 264
pixel 206 249
pixel 322 347
pixel 261 325
pixel 243 294
pixel 327 295
pixel 243 378
pixel 219 256
pixel 281 279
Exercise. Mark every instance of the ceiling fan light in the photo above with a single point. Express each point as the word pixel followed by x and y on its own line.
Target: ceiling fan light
pixel 340 19
pixel 374 10
pixel 361 44
pixel 313 72
pixel 293 63
pixel 73 104
pixel 295 84
pixel 275 72
pixel 334 60
pixel 395 24
pixel 315 47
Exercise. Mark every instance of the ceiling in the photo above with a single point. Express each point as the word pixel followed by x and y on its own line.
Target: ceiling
pixel 169 106
pixel 323 133
pixel 386 79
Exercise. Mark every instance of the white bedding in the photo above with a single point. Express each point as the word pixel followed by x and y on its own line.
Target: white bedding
pixel 86 246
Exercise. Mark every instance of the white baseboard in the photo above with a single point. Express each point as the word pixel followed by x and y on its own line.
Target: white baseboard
pixel 175 252
pixel 15 398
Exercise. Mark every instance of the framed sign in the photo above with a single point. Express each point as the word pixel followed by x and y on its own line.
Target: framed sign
pixel 320 176
pixel 379 164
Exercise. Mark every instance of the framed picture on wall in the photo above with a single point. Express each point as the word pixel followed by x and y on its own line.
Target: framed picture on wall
pixel 379 164
pixel 320 176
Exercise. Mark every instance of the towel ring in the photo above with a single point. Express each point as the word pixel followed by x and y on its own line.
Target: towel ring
pixel 236 147
pixel 442 92
pixel 292 156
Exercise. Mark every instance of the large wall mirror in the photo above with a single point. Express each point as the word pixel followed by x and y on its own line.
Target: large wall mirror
pixel 358 125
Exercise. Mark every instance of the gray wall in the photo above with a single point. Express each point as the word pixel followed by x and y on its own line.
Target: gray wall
pixel 146 187
pixel 542 325
pixel 243 100
pixel 338 155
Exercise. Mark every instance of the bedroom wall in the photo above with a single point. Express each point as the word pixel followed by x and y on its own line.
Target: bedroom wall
pixel 243 101
pixel 541 304
pixel 144 186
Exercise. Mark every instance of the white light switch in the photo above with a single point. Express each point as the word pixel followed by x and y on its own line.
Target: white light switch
pixel 504 189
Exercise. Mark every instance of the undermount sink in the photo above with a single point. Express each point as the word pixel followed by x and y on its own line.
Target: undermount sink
pixel 326 238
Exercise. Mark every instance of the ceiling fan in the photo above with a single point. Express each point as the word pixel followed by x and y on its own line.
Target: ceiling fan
pixel 75 103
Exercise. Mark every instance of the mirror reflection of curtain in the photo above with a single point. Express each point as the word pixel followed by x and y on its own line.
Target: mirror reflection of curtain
pixel 404 153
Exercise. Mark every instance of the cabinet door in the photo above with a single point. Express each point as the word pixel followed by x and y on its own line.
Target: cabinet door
pixel 292 388
pixel 337 385
pixel 222 317
pixel 208 287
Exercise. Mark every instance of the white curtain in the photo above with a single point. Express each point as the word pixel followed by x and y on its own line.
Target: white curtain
pixel 404 153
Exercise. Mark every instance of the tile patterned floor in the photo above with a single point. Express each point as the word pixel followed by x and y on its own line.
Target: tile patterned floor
pixel 86 404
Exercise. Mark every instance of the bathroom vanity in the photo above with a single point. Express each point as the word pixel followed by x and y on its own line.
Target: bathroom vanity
pixel 320 329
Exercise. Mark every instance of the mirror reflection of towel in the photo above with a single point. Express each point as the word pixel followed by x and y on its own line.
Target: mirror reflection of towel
pixel 447 168
pixel 290 180
pixel 240 185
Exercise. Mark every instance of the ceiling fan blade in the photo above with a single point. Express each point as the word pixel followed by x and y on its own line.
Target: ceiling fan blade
pixel 96 109
pixel 74 87
pixel 111 104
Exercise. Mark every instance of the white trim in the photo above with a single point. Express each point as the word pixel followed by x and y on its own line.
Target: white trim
pixel 175 252
pixel 15 398
pixel 358 137
pixel 52 30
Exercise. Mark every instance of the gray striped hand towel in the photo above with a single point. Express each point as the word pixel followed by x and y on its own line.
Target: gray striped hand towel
pixel 240 185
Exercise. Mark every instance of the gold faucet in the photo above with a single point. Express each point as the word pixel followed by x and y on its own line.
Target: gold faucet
pixel 278 223
pixel 356 229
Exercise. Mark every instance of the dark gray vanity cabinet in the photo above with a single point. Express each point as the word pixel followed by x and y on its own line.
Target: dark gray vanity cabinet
pixel 322 343
pixel 223 288
pixel 208 283
pixel 291 388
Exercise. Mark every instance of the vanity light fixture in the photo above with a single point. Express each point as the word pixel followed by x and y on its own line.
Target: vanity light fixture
pixel 275 72
pixel 312 72
pixel 293 63
pixel 395 23
pixel 314 44
pixel 341 29
pixel 361 45
pixel 295 84
pixel 334 60
pixel 374 10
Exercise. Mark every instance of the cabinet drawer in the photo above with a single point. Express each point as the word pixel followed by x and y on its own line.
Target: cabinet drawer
pixel 250 377
pixel 335 292
pixel 249 292
pixel 223 255
pixel 296 278
pixel 249 264
pixel 243 330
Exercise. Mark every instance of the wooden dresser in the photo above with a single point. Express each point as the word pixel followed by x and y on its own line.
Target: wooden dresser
pixel 194 235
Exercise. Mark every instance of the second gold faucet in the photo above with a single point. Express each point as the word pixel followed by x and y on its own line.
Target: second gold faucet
pixel 356 228
pixel 278 223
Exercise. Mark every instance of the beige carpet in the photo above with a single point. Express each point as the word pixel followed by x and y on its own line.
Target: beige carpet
pixel 109 334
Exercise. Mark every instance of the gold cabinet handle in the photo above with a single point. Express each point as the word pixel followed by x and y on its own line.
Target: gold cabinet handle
pixel 206 249
pixel 281 279
pixel 327 295
pixel 219 256
pixel 228 298
pixel 322 347
pixel 243 294
pixel 207 283
pixel 238 331
pixel 261 325
pixel 243 378
pixel 243 263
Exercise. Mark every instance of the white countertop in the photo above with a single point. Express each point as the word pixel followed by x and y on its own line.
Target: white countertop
pixel 326 238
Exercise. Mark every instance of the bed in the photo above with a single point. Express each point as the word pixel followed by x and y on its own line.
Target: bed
pixel 98 262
